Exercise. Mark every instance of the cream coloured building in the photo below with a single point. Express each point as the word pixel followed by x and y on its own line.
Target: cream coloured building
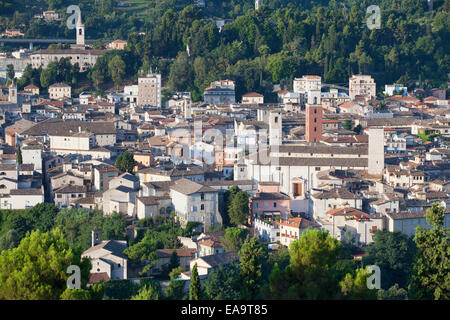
pixel 252 98
pixel 149 90
pixel 59 91
pixel 362 85
pixel 84 58
pixel 117 45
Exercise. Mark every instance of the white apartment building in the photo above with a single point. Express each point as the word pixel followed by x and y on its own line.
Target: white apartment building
pixel 292 229
pixel 107 258
pixel 391 89
pixel 267 231
pixel 195 202
pixel 310 86
pixel 84 58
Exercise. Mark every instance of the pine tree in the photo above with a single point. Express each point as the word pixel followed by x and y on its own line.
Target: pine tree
pixel 195 288
pixel 19 155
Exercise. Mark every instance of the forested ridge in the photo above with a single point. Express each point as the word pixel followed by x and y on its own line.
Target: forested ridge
pixel 282 40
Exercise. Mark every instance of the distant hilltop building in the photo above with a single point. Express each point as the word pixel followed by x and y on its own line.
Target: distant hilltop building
pixel 220 92
pixel 200 3
pixel 85 58
pixel 117 45
pixel 49 15
pixel 12 33
pixel 393 89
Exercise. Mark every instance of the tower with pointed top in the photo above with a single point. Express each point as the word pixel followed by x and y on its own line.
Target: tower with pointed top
pixel 80 31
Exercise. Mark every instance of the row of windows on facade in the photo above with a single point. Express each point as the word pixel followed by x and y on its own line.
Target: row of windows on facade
pixel 274 205
pixel 73 195
pixel 202 208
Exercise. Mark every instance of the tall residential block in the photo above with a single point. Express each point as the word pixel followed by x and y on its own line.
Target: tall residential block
pixel 310 86
pixel 362 85
pixel 149 90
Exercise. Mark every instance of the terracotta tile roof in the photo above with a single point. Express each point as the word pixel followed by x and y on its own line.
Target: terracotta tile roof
pixel 212 243
pixel 167 253
pixel 299 223
pixel 59 85
pixel 270 196
pixel 252 94
pixel 349 212
pixel 97 277
pixel 60 127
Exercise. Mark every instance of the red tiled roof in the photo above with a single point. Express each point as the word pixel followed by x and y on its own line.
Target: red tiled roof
pixel 350 212
pixel 97 277
pixel 252 94
pixel 180 252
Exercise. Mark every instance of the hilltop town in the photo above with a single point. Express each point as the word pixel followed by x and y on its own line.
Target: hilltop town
pixel 176 183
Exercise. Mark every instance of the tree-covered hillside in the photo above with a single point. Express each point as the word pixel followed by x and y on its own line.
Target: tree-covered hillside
pixel 282 40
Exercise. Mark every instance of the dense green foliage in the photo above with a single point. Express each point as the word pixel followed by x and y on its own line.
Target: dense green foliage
pixel 125 161
pixel 175 290
pixel 393 293
pixel 120 289
pixel 77 226
pixel 36 269
pixel 223 284
pixel 393 252
pixel 355 287
pixel 150 291
pixel 238 210
pixel 234 238
pixel 154 233
pixel 431 271
pixel 251 258
pixel 195 287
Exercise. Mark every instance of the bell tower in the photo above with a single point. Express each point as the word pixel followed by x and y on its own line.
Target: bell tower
pixel 80 31
pixel 12 93
pixel 275 128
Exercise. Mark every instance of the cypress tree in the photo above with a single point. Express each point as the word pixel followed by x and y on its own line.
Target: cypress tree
pixel 195 287
pixel 19 155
